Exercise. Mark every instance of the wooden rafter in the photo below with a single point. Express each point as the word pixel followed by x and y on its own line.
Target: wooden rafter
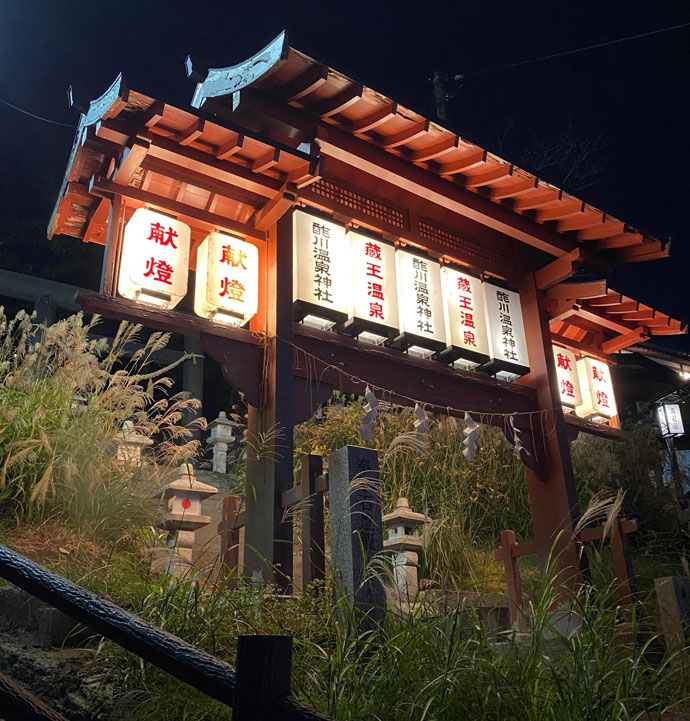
pixel 512 189
pixel 601 230
pixel 563 209
pixel 274 209
pixel 624 341
pixel 339 102
pixel 624 240
pixel 132 157
pixel 577 291
pixel 538 198
pixel 153 114
pixel 486 177
pixel 304 84
pixel 467 161
pixel 434 151
pixel 230 147
pixel 558 270
pixel 265 161
pixel 374 119
pixel 192 132
pixel 412 132
pixel 585 219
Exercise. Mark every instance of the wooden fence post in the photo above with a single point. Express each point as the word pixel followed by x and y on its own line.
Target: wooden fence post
pixel 512 570
pixel 264 665
pixel 230 540
pixel 313 537
pixel 622 561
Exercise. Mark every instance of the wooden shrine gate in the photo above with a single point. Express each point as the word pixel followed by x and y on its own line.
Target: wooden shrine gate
pixel 281 132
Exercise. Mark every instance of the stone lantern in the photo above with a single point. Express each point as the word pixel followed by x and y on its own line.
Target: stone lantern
pixel 184 496
pixel 130 444
pixel 405 539
pixel 221 436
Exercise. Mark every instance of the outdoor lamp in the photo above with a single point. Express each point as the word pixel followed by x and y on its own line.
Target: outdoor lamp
pixel 154 263
pixel 227 279
pixel 598 400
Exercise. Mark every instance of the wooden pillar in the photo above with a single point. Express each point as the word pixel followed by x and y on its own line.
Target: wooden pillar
pixel 622 562
pixel 313 539
pixel 113 246
pixel 230 540
pixel 552 494
pixel 268 537
pixel 512 571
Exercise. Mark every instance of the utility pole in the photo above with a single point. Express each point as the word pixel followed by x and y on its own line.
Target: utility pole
pixel 439 96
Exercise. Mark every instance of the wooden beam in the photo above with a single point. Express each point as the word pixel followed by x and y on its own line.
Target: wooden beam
pixel 200 180
pixel 407 135
pixel 265 161
pixel 374 119
pixel 670 330
pixel 205 164
pixel 562 210
pixel 306 174
pixel 639 315
pixel 625 240
pixel 132 158
pixel 486 177
pixel 602 230
pixel 100 186
pixel 230 147
pixel 577 345
pixel 602 319
pixel 98 219
pixel 511 189
pixel 301 86
pixel 558 270
pixel 625 306
pixel 607 300
pixel 153 114
pixel 585 219
pixel 536 199
pixel 432 151
pixel 337 103
pixel 651 249
pixel 467 161
pixel 660 321
pixel 578 291
pixel 625 340
pixel 276 207
pixel 190 134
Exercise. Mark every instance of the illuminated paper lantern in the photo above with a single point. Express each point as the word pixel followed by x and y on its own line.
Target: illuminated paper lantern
pixel 420 302
pixel 227 279
pixel 670 420
pixel 568 378
pixel 598 400
pixel 154 264
pixel 507 343
pixel 321 270
pixel 467 342
pixel 374 294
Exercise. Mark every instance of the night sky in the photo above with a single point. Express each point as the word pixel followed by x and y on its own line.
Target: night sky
pixel 637 93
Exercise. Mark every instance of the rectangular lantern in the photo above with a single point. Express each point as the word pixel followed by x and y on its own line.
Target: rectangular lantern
pixel 420 300
pixel 598 400
pixel 507 343
pixel 154 265
pixel 227 279
pixel 374 299
pixel 321 270
pixel 568 378
pixel 467 342
pixel 670 420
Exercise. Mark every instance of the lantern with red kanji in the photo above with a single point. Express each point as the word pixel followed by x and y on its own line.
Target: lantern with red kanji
pixel 154 263
pixel 598 400
pixel 227 279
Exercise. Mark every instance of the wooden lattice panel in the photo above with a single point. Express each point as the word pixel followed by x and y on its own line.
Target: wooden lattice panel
pixel 495 257
pixel 362 204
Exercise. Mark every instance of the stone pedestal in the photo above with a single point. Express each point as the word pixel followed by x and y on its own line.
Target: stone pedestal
pixel 356 530
pixel 184 517
pixel 405 539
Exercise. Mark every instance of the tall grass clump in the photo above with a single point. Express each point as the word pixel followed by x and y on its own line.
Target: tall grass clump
pixel 64 396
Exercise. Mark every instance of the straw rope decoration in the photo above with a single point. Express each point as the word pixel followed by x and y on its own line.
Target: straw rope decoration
pixel 317 367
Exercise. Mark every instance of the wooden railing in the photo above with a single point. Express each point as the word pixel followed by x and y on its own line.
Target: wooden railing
pixel 258 689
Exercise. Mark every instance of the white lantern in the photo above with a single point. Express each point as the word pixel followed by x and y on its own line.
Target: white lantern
pixel 374 294
pixel 467 342
pixel 155 259
pixel 321 270
pixel 227 279
pixel 670 420
pixel 598 400
pixel 507 343
pixel 420 300
pixel 567 375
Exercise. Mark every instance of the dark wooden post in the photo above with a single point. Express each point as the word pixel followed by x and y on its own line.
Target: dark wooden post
pixel 313 539
pixel 264 665
pixel 113 245
pixel 622 561
pixel 230 539
pixel 552 495
pixel 506 553
pixel 268 535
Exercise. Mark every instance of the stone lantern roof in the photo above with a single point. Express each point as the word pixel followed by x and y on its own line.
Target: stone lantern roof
pixel 403 528
pixel 186 485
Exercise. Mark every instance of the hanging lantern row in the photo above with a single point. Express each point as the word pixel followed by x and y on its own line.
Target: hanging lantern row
pixel 154 268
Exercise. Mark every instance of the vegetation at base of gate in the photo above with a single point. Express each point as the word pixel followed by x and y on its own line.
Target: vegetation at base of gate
pixel 437 661
pixel 64 395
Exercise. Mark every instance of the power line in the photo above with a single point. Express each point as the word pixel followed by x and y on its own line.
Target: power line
pixel 572 52
pixel 37 117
